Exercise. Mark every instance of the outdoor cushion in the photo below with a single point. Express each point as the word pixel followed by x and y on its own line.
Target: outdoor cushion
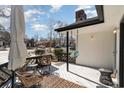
pixel 74 54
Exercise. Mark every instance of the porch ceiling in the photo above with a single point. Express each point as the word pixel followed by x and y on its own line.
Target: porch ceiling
pixel 112 17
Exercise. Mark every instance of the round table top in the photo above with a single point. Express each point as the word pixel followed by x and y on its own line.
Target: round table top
pixel 32 65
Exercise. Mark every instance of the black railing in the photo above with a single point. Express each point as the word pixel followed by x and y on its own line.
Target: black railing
pixel 63 57
pixel 5 81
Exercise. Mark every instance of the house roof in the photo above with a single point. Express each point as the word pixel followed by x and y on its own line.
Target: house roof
pixel 84 23
pixel 112 17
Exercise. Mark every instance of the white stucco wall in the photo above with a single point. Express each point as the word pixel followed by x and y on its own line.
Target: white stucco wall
pixel 96 49
pixel 99 52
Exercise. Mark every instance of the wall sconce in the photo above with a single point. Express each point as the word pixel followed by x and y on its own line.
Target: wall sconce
pixel 115 31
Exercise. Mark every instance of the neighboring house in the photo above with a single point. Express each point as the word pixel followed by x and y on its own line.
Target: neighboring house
pixel 30 43
pixel 4 43
pixel 98 38
pixel 40 44
pixel 4 39
pixel 1 42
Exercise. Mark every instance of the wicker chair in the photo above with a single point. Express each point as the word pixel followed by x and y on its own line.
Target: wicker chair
pixel 45 61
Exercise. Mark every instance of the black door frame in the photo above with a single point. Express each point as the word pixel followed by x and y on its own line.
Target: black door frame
pixel 121 57
pixel 67 49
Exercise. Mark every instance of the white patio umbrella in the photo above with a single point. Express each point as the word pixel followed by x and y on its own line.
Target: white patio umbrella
pixel 17 54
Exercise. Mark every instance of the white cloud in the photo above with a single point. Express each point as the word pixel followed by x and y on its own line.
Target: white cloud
pixel 7 11
pixel 91 14
pixel 59 24
pixel 34 19
pixel 29 13
pixel 39 27
pixel 55 8
pixel 5 22
pixel 85 7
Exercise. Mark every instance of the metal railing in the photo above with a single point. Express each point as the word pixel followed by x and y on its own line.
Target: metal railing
pixel 6 82
pixel 9 82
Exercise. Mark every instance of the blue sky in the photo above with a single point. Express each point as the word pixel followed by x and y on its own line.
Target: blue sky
pixel 38 18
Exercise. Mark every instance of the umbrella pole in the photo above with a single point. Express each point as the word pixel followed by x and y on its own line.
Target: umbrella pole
pixel 13 78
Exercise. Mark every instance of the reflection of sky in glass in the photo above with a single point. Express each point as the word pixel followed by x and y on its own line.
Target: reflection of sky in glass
pixel 89 10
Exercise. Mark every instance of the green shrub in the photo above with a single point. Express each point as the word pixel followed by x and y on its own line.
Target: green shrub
pixel 58 52
pixel 39 51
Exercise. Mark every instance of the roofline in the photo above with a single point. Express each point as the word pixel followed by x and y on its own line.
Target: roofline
pixel 88 22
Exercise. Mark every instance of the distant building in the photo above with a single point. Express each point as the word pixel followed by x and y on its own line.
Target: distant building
pixel 3 43
pixel 4 39
pixel 30 43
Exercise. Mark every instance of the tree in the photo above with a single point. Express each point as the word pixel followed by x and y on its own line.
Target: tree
pixel 60 38
pixel 36 37
pixel 51 24
pixel 53 35
pixel 32 42
pixel 58 25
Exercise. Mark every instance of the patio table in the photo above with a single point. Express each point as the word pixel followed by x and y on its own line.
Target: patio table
pixel 3 64
pixel 36 58
pixel 38 61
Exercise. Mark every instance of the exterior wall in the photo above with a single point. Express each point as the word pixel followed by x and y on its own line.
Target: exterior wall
pixel 96 49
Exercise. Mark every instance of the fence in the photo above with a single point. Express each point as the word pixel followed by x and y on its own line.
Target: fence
pixel 63 57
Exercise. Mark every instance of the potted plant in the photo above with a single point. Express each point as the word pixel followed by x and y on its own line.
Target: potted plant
pixel 58 53
pixel 39 51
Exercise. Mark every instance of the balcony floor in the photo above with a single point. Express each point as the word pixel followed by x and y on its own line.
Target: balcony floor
pixel 84 76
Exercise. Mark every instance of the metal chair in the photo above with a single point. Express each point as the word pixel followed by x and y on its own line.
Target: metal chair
pixel 27 78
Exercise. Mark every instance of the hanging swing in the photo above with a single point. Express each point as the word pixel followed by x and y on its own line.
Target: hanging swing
pixel 75 53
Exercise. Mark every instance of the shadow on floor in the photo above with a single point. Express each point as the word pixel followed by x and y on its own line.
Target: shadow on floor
pixel 100 85
pixel 53 69
pixel 59 63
